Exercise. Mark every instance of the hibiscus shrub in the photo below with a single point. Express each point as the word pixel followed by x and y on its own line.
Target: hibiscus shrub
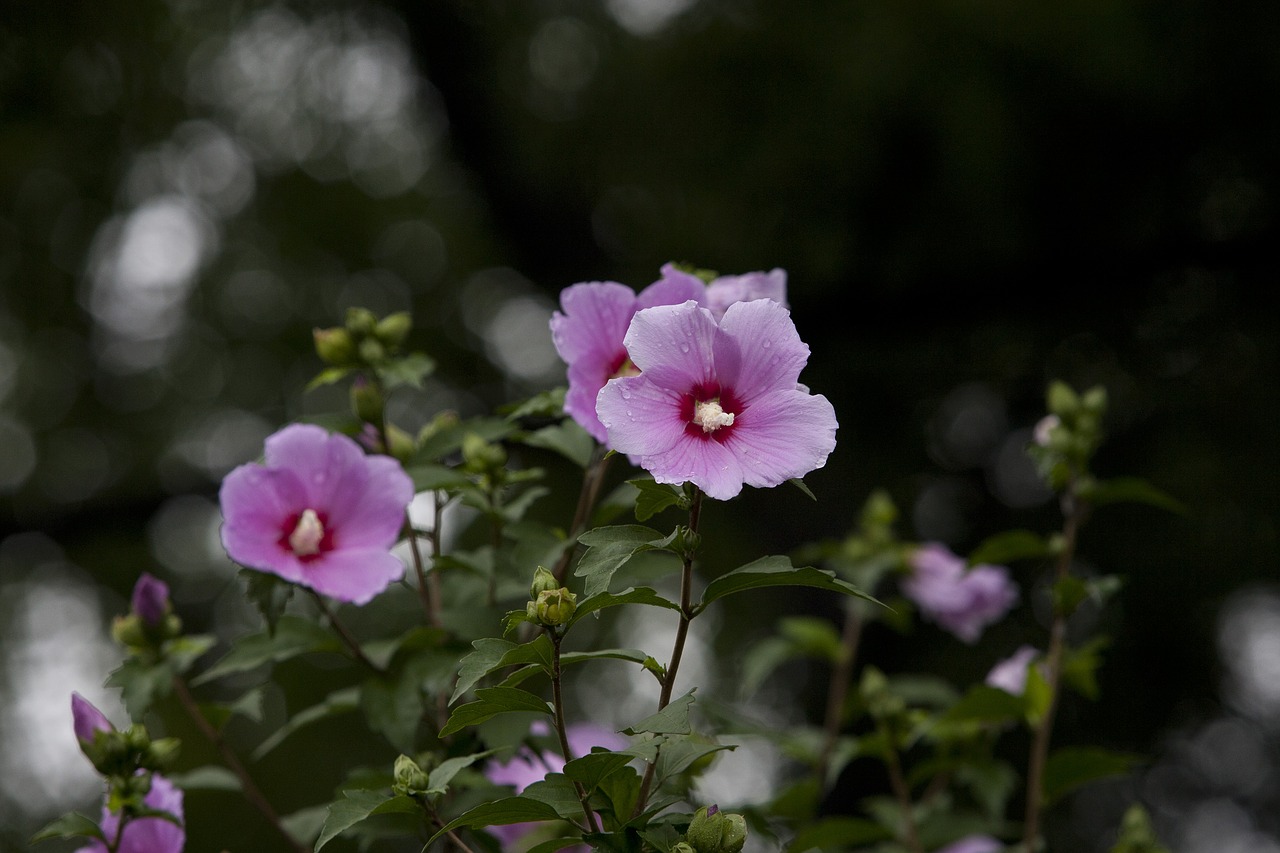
pixel 696 382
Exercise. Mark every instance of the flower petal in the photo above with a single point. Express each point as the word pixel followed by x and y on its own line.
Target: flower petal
pixel 368 511
pixel 594 319
pixel 782 435
pixel 87 719
pixel 728 289
pixel 586 378
pixel 673 345
pixel 759 351
pixel 641 417
pixel 708 464
pixel 353 575
pixel 675 286
pixel 319 459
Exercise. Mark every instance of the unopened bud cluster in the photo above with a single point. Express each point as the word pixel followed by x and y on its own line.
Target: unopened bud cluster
pixel 410 779
pixel 121 754
pixel 150 620
pixel 1065 439
pixel 714 831
pixel 364 341
pixel 551 605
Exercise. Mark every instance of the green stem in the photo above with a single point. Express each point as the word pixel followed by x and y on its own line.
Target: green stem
pixel 247 786
pixel 343 634
pixel 687 613
pixel 1073 511
pixel 838 689
pixel 558 700
pixel 900 790
pixel 592 480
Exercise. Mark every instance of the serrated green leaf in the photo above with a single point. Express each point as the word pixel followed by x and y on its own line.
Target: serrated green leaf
pixel 182 652
pixel 70 825
pixel 359 805
pixel 490 702
pixel 631 595
pixel 499 813
pixel 1070 767
pixel 479 663
pixel 1132 490
pixel 141 684
pixel 341 701
pixel 776 571
pixel 545 404
pixel 305 824
pixel 557 791
pixel 440 777
pixel 409 370
pixel 608 548
pixel 632 655
pixel 652 498
pixel 1011 545
pixel 211 777
pixel 566 438
pixel 679 754
pixel 293 636
pixel 590 770
pixel 673 719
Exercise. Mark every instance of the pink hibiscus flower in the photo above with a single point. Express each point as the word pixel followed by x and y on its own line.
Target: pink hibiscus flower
pixel 319 513
pixel 718 405
pixel 964 601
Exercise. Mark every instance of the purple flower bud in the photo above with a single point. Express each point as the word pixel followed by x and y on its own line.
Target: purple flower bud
pixel 87 719
pixel 150 600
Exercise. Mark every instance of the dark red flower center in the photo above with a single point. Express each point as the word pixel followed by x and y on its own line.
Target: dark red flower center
pixel 710 412
pixel 307 535
pixel 622 365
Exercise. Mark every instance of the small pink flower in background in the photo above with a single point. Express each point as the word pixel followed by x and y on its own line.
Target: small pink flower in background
pixel 523 769
pixel 718 405
pixel 319 513
pixel 1010 674
pixel 146 834
pixel 87 719
pixel 150 602
pixel 963 601
pixel 589 329
pixel 973 844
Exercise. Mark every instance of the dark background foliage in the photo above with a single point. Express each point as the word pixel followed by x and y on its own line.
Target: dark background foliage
pixel 970 199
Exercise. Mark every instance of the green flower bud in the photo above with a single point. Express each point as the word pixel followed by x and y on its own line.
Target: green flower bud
pixel 682 847
pixel 361 322
pixel 334 346
pixel 393 329
pixel 479 456
pixel 402 444
pixel 367 400
pixel 1095 400
pixel 714 831
pixel 409 777
pixel 161 753
pixel 543 581
pixel 531 611
pixel 556 606
pixel 137 739
pixel 127 631
pixel 372 351
pixel 1062 400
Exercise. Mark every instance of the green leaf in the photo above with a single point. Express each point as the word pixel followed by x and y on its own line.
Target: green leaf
pixel 328 376
pixel 1037 695
pixel 673 719
pixel 479 663
pixel 1070 767
pixel 631 595
pixel 1011 545
pixel 591 770
pixel 182 652
pixel 490 702
pixel 305 824
pixel 439 779
pixel 679 754
pixel 632 655
pixel 545 404
pixel 211 777
pixel 608 548
pixel 557 791
pixel 429 476
pixel 409 370
pixel 141 684
pixel 1131 490
pixel 566 438
pixel 293 636
pixel 70 825
pixel 268 593
pixel 447 438
pixel 1080 667
pixel 394 701
pixel 341 701
pixel 984 704
pixel 652 498
pixel 776 571
pixel 359 805
pixel 804 487
pixel 555 844
pixel 499 813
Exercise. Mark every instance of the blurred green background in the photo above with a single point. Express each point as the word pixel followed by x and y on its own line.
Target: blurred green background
pixel 970 199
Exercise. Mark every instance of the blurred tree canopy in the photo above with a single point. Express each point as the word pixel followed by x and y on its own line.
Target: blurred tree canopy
pixel 970 198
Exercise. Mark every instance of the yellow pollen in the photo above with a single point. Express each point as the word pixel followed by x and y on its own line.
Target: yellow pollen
pixel 708 415
pixel 305 538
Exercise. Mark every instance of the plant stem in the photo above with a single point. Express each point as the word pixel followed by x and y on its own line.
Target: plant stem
pixel 436 819
pixel 1073 511
pixel 900 790
pixel 562 731
pixel 247 786
pixel 838 689
pixel 592 480
pixel 682 634
pixel 344 635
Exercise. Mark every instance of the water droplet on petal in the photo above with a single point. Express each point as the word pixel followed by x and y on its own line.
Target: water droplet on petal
pixel 626 395
pixel 684 348
pixel 766 343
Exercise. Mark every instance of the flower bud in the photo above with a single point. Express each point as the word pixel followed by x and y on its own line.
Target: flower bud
pixel 479 456
pixel 87 720
pixel 367 400
pixel 714 831
pixel 555 606
pixel 361 322
pixel 150 601
pixel 371 351
pixel 409 777
pixel 128 631
pixel 402 444
pixel 393 329
pixel 543 581
pixel 682 847
pixel 334 346
pixel 160 754
pixel 1062 400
